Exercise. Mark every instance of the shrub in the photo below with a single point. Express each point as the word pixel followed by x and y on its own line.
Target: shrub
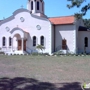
pixel 40 47
pixel 41 54
pixel 2 53
pixel 46 54
pixel 59 53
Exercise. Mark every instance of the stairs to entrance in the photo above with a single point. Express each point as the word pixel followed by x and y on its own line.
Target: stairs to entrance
pixel 16 53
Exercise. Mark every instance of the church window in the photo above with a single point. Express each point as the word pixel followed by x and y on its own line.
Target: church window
pixel 42 40
pixel 7 28
pixel 22 19
pixel 4 41
pixel 37 5
pixel 10 41
pixel 34 41
pixel 31 5
pixel 86 42
pixel 64 44
pixel 38 27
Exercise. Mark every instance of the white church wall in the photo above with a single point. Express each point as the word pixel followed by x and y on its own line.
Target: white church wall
pixel 15 44
pixel 65 32
pixel 6 34
pixel 45 31
pixel 78 23
pixel 81 36
pixel 29 25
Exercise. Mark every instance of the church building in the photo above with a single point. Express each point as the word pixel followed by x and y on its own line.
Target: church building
pixel 27 28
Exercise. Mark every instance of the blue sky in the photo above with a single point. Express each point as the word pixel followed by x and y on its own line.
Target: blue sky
pixel 53 8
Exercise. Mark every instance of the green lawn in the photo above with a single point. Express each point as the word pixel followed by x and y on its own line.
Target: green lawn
pixel 69 69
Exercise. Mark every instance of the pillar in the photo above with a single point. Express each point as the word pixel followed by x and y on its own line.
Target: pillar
pixel 11 44
pixel 22 44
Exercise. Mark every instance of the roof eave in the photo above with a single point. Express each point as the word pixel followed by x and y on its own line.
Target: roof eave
pixel 65 24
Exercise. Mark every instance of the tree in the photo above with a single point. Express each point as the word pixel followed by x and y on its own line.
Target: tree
pixel 86 22
pixel 40 47
pixel 79 3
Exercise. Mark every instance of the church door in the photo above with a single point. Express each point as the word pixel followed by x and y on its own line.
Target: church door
pixel 64 44
pixel 19 44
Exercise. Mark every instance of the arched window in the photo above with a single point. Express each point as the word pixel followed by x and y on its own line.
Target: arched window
pixel 64 44
pixel 34 41
pixel 10 41
pixel 42 40
pixel 86 42
pixel 31 5
pixel 4 41
pixel 37 5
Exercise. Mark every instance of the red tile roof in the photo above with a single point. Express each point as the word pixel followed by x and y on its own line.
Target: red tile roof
pixel 62 20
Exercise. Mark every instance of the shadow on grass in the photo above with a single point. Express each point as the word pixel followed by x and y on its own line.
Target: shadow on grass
pixel 71 86
pixel 21 83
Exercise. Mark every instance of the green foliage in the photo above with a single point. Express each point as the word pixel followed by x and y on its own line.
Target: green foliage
pixel 40 47
pixel 84 85
pixel 78 15
pixel 41 54
pixel 46 54
pixel 2 53
pixel 78 3
pixel 58 53
pixel 86 22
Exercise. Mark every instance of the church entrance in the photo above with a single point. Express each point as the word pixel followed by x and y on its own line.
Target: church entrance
pixel 20 45
pixel 19 41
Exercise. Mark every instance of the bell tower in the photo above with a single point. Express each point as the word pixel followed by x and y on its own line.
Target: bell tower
pixel 36 6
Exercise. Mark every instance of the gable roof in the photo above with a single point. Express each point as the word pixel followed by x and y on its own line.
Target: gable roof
pixel 62 20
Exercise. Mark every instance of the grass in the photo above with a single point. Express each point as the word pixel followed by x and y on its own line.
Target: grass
pixel 46 68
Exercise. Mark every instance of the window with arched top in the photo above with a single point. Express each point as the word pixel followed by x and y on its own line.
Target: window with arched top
pixel 86 42
pixel 10 41
pixel 34 40
pixel 64 44
pixel 42 40
pixel 4 41
pixel 37 5
pixel 31 5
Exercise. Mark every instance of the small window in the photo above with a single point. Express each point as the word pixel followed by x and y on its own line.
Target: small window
pixel 42 40
pixel 10 41
pixel 4 41
pixel 37 5
pixel 31 5
pixel 34 41
pixel 64 44
pixel 86 42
